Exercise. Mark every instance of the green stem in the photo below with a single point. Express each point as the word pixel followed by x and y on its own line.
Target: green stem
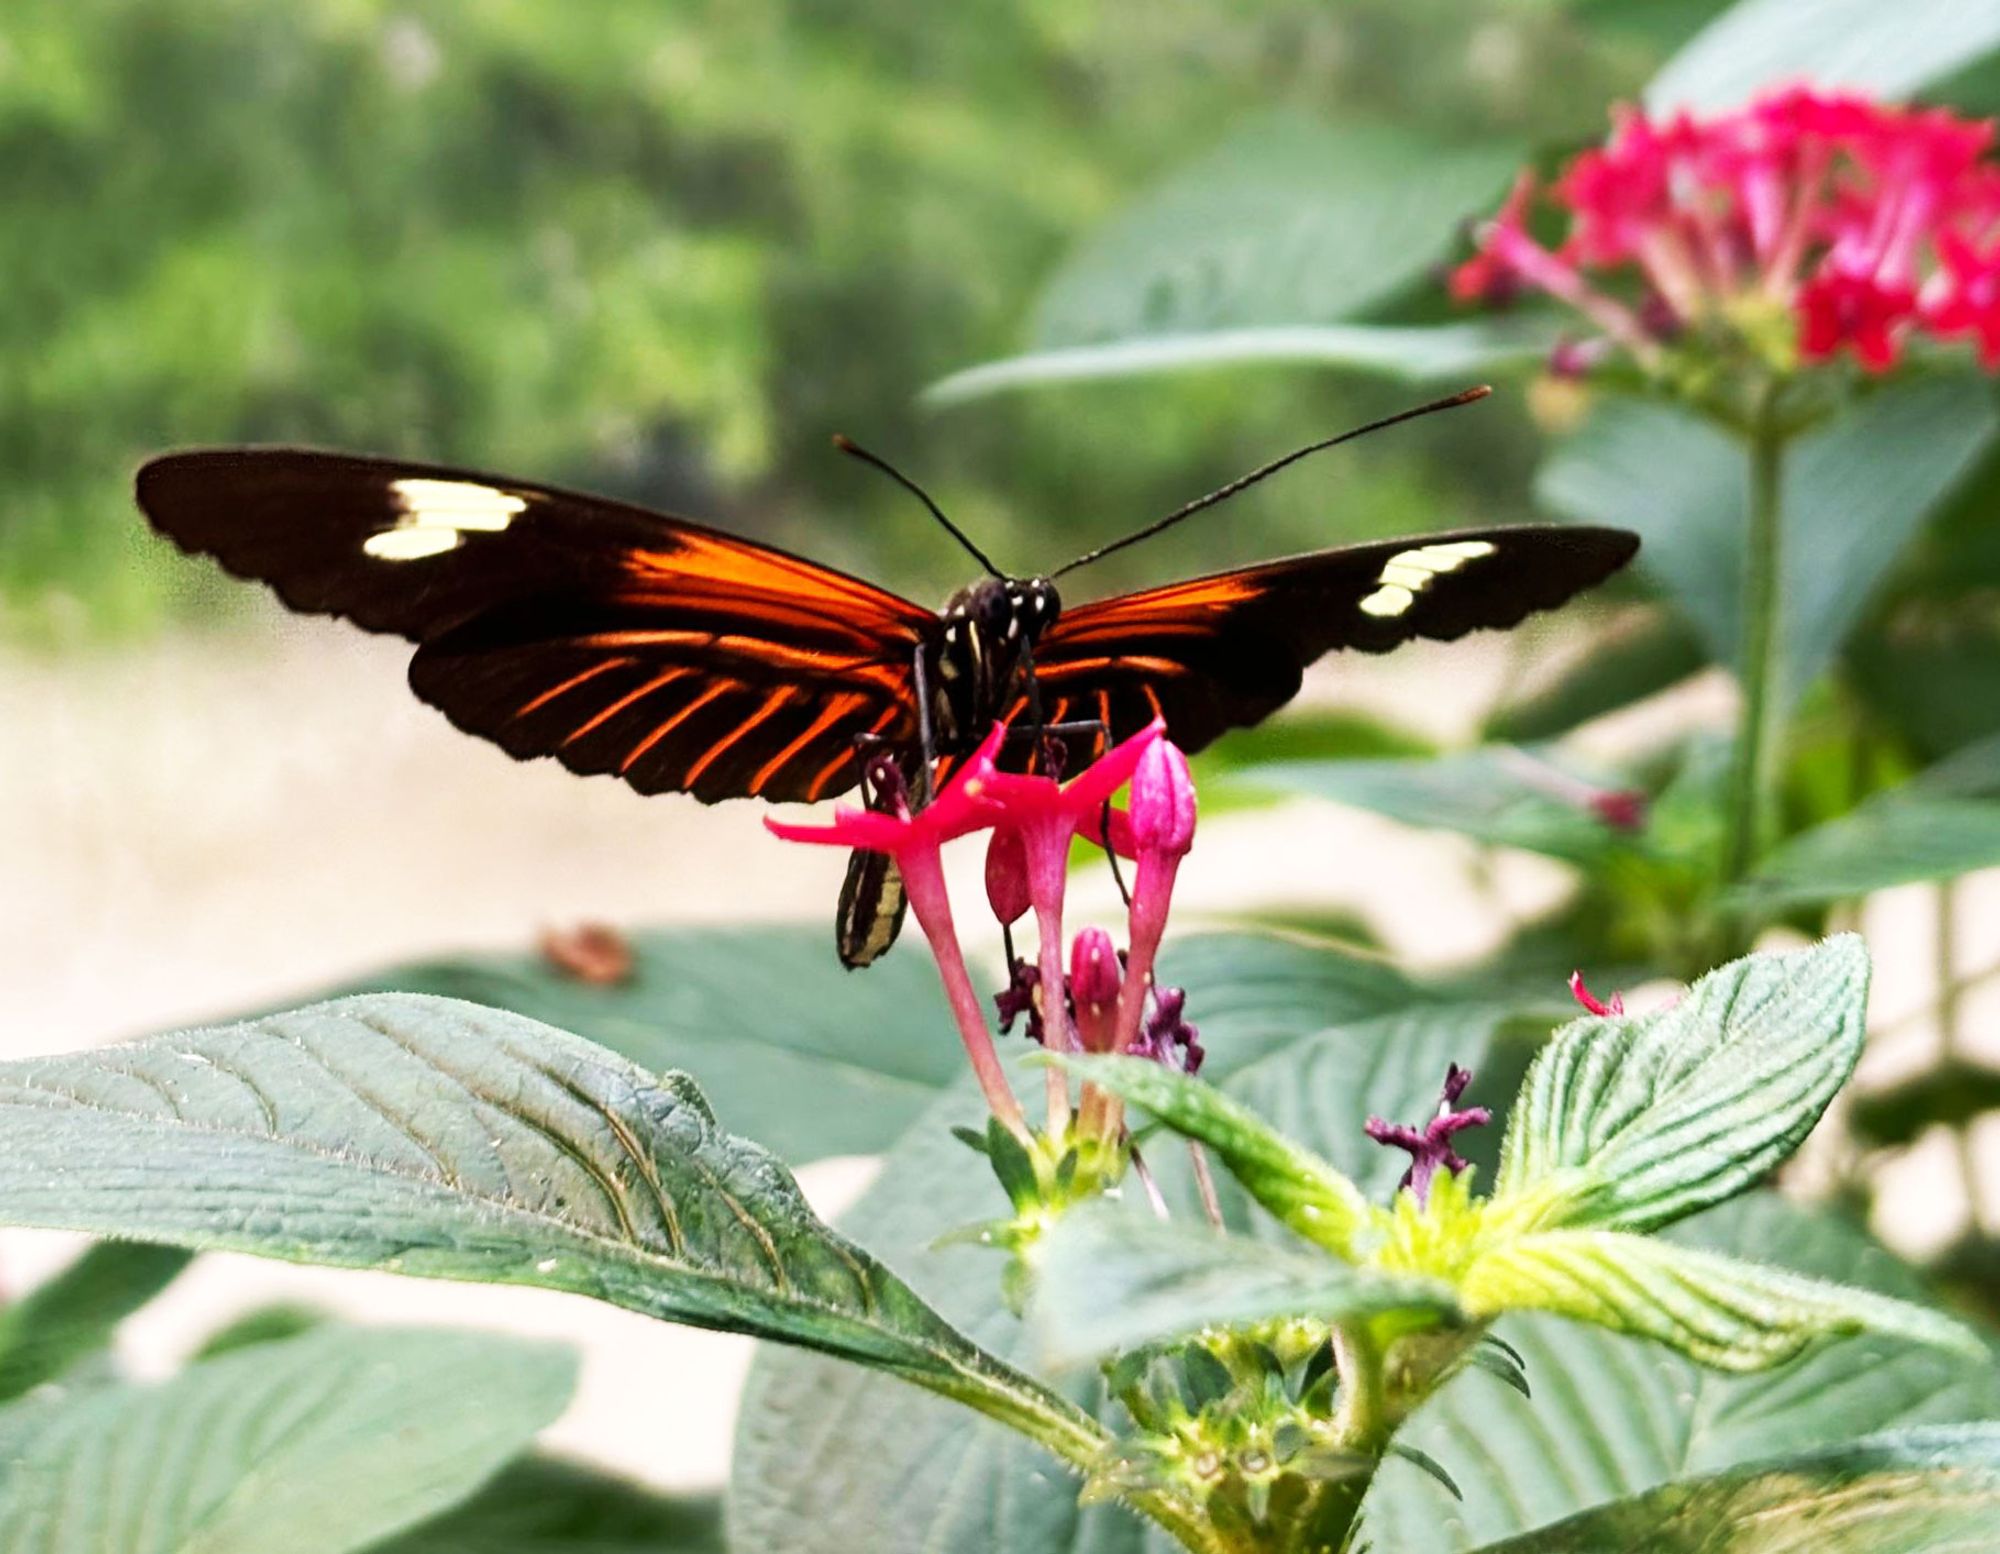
pixel 1363 1422
pixel 1361 1426
pixel 1763 557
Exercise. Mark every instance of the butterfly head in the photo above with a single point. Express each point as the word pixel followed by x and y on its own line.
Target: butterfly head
pixel 999 614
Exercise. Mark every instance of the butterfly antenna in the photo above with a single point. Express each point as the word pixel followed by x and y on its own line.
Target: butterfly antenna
pixel 1244 482
pixel 909 485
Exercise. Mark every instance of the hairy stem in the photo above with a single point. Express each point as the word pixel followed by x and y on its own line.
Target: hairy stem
pixel 1763 559
pixel 1361 1426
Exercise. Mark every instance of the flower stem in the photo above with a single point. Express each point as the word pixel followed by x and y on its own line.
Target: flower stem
pixel 1763 556
pixel 923 882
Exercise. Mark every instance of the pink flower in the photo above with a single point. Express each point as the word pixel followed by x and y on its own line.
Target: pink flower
pixel 1857 312
pixel 1968 300
pixel 1106 997
pixel 1047 816
pixel 1865 223
pixel 1594 1005
pixel 916 842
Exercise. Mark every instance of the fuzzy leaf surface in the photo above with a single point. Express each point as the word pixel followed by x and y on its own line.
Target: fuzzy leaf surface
pixel 1934 1491
pixel 318 1445
pixel 1724 1312
pixel 1612 1417
pixel 1638 1120
pixel 426 1136
pixel 1113 1280
pixel 797 1054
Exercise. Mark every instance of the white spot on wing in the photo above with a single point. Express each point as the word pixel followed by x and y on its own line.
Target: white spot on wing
pixel 438 514
pixel 411 544
pixel 1409 572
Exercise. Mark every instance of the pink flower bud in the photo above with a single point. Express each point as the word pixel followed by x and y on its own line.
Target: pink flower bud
pixel 1095 976
pixel 1162 810
pixel 1007 875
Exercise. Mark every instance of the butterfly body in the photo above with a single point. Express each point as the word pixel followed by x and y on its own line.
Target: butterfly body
pixel 986 635
pixel 680 658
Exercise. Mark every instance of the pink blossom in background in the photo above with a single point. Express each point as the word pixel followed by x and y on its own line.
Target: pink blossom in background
pixel 1818 225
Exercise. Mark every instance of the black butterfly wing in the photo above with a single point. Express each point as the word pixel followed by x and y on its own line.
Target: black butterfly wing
pixel 615 639
pixel 1227 650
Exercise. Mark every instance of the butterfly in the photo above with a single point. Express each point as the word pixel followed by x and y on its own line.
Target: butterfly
pixel 680 658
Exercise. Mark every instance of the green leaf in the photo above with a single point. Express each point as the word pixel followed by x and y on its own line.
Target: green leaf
pixel 315 1446
pixel 1855 491
pixel 74 1314
pixel 1312 1037
pixel 1724 1312
pixel 1289 221
pixel 1495 795
pixel 830 1458
pixel 1613 1417
pixel 1954 1092
pixel 1939 825
pixel 1111 1280
pixel 1633 659
pixel 545 1506
pixel 1636 1121
pixel 261 1325
pixel 1913 1492
pixel 1882 50
pixel 795 1051
pixel 1299 1189
pixel 1410 353
pixel 425 1136
pixel 1931 680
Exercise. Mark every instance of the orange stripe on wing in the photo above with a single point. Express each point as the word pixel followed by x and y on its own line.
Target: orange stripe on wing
pixel 626 700
pixel 1102 737
pixel 1142 662
pixel 836 709
pixel 772 703
pixel 762 650
pixel 721 687
pixel 570 684
pixel 832 768
pixel 1152 700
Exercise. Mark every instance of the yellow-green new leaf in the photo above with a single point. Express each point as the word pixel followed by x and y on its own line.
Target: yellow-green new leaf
pixel 1298 1187
pixel 1720 1311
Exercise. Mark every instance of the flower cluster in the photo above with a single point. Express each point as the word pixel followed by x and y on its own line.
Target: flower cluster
pixel 1097 998
pixel 1807 225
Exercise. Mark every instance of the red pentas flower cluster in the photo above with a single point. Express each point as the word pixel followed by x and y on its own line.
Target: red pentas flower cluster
pixel 1809 224
pixel 1107 1000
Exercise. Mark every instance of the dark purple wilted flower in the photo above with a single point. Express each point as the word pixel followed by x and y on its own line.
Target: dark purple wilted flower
pixel 1431 1149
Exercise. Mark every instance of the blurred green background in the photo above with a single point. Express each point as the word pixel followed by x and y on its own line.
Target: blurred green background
pixel 667 249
